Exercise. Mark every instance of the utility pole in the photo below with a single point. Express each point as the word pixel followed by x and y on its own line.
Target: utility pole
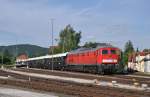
pixel 52 22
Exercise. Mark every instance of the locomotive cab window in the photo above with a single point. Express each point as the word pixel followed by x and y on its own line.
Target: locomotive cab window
pixel 113 51
pixel 104 51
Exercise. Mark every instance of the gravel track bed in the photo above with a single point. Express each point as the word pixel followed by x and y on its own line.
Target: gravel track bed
pixel 119 78
pixel 80 90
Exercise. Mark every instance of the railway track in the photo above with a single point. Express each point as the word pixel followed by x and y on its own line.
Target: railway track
pixel 125 79
pixel 80 90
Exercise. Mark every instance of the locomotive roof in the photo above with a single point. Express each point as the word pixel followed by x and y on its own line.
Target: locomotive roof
pixel 83 49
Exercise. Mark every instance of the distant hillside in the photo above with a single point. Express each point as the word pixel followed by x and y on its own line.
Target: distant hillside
pixel 31 50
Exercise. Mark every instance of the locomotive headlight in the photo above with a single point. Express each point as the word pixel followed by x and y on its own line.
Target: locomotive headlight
pixel 109 60
pixel 115 60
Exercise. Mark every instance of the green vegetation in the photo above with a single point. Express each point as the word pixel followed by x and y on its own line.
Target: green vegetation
pixel 9 53
pixel 146 50
pixel 94 44
pixel 30 50
pixel 129 49
pixel 6 57
pixel 69 39
pixel 90 45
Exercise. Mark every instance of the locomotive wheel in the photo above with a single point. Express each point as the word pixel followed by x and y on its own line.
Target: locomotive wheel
pixel 100 70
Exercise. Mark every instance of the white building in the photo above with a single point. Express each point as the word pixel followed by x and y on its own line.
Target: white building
pixel 147 63
pixel 141 63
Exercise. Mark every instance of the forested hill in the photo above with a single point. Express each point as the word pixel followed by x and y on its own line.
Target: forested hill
pixel 31 50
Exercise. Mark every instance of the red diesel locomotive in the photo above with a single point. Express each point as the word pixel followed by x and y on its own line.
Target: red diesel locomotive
pixel 102 59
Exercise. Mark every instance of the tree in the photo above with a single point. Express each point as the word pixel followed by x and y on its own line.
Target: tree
pixel 146 50
pixel 137 50
pixel 56 50
pixel 129 49
pixel 90 45
pixel 6 53
pixel 69 39
pixel 95 44
pixel 6 57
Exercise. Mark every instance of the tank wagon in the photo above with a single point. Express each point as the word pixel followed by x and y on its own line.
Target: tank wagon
pixel 103 59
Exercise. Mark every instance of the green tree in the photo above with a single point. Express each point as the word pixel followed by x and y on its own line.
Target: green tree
pixel 6 53
pixel 129 49
pixel 137 49
pixel 6 57
pixel 56 50
pixel 69 39
pixel 90 44
pixel 95 44
pixel 146 50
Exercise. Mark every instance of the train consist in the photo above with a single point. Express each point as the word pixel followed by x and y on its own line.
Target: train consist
pixel 102 59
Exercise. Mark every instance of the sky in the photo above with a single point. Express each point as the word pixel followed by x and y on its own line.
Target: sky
pixel 110 21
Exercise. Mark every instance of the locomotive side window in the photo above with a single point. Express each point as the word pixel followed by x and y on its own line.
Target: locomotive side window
pixel 104 51
pixel 113 51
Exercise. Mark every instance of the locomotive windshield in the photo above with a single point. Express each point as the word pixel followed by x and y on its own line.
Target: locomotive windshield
pixel 105 52
pixel 113 51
